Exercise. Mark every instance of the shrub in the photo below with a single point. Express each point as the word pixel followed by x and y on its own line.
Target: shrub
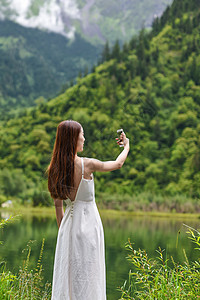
pixel 154 279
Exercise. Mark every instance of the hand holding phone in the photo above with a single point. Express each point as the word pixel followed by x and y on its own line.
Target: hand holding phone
pixel 122 140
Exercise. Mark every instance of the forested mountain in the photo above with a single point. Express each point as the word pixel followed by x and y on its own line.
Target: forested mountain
pixel 151 89
pixel 35 63
pixel 96 21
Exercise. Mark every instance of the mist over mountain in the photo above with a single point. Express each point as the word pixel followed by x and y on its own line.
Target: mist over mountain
pixel 97 21
pixel 45 44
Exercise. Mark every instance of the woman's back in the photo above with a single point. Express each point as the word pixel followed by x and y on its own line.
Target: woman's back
pixel 79 265
pixel 78 175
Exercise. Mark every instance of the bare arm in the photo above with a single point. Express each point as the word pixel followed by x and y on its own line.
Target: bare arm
pixel 97 165
pixel 59 210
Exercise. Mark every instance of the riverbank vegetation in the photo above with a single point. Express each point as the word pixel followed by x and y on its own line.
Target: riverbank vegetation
pixel 149 202
pixel 150 88
pixel 111 213
pixel 154 279
pixel 27 283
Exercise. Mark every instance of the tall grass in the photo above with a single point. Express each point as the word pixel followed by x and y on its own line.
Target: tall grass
pixel 154 279
pixel 148 201
pixel 27 284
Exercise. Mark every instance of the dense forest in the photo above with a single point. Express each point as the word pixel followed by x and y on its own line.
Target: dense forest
pixel 35 64
pixel 151 89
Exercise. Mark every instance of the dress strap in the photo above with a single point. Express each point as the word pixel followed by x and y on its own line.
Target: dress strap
pixel 82 166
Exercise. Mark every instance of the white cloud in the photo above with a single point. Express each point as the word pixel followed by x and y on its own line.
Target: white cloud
pixel 50 15
pixel 70 8
pixel 20 6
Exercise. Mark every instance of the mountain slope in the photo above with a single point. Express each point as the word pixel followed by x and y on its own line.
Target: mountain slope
pixel 35 63
pixel 96 21
pixel 151 89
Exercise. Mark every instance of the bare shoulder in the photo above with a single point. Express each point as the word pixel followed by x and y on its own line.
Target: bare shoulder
pixel 94 164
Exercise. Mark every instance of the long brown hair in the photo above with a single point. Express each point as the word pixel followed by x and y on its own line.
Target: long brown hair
pixel 61 168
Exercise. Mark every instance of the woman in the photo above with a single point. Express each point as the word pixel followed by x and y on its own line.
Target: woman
pixel 79 264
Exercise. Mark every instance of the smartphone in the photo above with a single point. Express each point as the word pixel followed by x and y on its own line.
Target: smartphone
pixel 119 132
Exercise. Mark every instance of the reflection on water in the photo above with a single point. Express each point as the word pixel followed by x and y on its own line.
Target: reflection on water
pixel 145 232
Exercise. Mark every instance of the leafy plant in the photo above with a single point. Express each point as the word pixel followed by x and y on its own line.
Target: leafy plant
pixel 155 279
pixel 27 284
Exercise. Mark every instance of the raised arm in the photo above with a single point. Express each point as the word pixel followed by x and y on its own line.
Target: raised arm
pixel 106 166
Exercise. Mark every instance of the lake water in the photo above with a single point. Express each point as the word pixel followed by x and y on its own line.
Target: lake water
pixel 145 232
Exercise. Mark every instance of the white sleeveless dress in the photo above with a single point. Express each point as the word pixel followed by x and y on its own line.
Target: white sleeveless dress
pixel 79 265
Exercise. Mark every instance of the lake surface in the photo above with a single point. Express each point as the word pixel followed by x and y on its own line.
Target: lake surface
pixel 145 232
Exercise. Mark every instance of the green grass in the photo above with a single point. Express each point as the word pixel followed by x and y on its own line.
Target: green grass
pixel 20 209
pixel 112 213
pixel 117 209
pixel 116 213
